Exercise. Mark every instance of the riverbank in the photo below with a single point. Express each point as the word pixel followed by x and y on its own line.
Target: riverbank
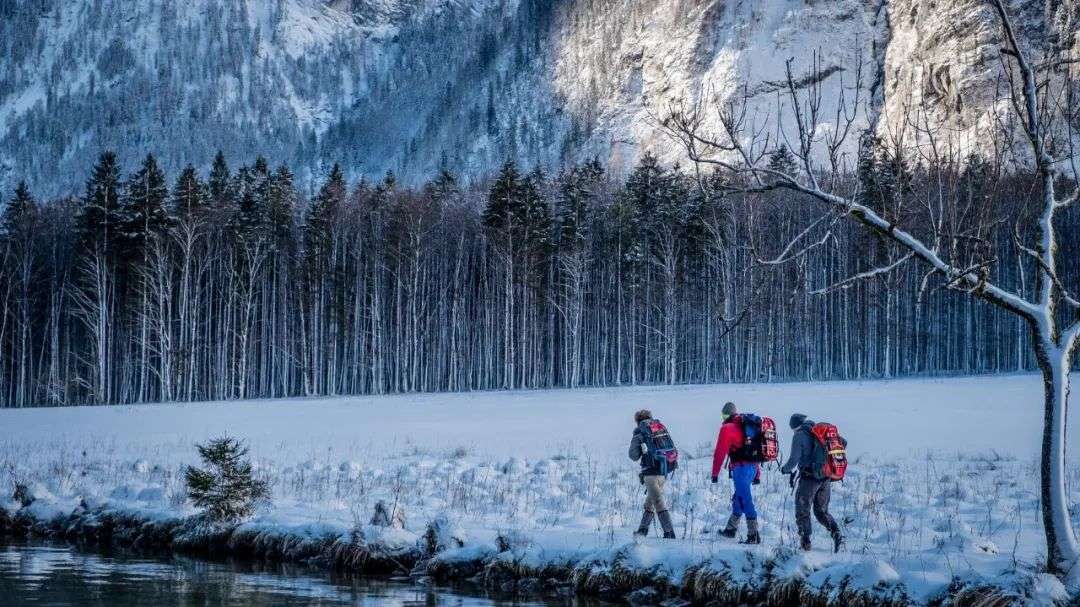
pixel 532 492
pixel 648 571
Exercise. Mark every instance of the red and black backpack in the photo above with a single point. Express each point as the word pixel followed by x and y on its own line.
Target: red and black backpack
pixel 830 452
pixel 760 443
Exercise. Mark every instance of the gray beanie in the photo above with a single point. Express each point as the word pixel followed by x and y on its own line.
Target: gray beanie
pixel 729 409
pixel 796 420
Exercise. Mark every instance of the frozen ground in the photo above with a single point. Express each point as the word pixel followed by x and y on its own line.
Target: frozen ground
pixel 943 483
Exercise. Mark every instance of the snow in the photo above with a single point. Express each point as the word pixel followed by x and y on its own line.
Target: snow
pixel 993 414
pixel 943 482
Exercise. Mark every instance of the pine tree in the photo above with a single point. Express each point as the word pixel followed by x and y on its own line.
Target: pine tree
pixel 782 160
pixel 189 196
pixel 389 182
pixel 884 178
pixel 575 202
pixel 225 488
pixel 324 211
pixel 143 214
pixel 636 205
pixel 535 213
pixel 281 206
pixel 100 212
pixel 19 279
pixel 21 213
pixel 222 194
pixel 443 188
pixel 504 202
pixel 248 220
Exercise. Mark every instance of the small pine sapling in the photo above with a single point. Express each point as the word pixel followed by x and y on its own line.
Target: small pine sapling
pixel 225 489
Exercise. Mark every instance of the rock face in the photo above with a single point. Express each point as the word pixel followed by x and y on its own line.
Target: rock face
pixel 414 85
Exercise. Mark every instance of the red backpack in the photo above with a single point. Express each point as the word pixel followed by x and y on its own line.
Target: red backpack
pixel 830 454
pixel 760 443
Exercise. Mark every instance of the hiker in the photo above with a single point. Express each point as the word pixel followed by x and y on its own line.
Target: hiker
pixel 652 446
pixel 808 458
pixel 743 471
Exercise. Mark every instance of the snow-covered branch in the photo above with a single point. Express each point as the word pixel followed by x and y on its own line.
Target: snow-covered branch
pixel 1061 205
pixel 873 220
pixel 1066 296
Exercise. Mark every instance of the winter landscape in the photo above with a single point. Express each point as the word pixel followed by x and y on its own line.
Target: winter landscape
pixel 943 486
pixel 327 302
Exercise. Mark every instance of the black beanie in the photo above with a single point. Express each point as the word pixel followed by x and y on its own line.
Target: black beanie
pixel 796 420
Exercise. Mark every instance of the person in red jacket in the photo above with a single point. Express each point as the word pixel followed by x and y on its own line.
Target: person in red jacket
pixel 744 474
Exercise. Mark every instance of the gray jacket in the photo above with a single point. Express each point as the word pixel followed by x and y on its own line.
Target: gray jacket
pixel 802 452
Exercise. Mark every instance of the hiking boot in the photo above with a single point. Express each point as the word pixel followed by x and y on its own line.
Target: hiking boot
pixel 646 523
pixel 804 543
pixel 665 524
pixel 837 541
pixel 732 526
pixel 752 535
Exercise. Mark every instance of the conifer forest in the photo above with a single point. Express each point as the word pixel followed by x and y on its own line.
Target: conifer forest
pixel 232 283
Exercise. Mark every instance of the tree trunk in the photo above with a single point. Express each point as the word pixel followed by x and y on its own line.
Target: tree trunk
pixel 1061 544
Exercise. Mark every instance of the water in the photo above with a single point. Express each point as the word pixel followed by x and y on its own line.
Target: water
pixel 54 575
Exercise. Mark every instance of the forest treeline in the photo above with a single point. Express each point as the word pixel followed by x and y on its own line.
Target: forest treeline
pixel 231 284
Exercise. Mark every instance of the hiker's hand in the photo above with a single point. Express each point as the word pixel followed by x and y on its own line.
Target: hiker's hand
pixel 756 481
pixel 714 480
pixel 791 480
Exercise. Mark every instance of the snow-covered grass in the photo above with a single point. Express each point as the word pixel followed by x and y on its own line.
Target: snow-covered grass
pixel 943 484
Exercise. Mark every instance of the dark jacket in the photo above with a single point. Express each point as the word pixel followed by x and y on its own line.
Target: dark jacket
pixel 649 466
pixel 803 445
pixel 802 450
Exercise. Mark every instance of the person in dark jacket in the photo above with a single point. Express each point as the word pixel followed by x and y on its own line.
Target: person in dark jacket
pixel 813 491
pixel 653 478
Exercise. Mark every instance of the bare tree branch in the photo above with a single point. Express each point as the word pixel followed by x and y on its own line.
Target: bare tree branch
pixel 851 281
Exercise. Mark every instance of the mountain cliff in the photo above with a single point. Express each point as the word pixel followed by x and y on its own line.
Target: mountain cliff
pixel 415 85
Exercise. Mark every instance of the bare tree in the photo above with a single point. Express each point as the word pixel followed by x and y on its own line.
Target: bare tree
pixel 950 237
pixel 94 307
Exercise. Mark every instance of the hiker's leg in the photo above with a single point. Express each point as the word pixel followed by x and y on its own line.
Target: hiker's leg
pixel 665 524
pixel 645 524
pixel 752 534
pixel 821 507
pixel 736 497
pixel 744 478
pixel 804 497
pixel 654 493
pixel 732 526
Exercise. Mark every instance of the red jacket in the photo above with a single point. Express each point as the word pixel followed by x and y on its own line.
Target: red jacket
pixel 729 439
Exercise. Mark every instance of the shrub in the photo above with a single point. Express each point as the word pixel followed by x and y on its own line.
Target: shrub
pixel 225 489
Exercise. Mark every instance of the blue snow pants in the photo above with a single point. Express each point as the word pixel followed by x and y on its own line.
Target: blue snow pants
pixel 742 475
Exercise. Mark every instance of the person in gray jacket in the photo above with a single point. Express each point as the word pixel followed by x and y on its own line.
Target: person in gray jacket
pixel 813 491
pixel 653 478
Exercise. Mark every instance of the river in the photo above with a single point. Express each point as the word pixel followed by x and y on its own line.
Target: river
pixel 56 574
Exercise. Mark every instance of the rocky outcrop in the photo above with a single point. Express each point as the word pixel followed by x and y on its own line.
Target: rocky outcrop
pixel 414 85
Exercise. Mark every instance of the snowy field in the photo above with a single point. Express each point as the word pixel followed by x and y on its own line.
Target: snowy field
pixel 943 482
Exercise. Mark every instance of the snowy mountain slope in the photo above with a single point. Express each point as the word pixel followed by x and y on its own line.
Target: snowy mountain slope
pixel 411 85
